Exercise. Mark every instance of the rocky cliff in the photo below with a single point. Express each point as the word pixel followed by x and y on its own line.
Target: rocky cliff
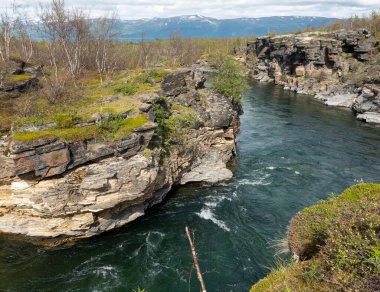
pixel 340 68
pixel 52 188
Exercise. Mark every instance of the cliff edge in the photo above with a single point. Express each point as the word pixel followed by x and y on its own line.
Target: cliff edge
pixel 340 68
pixel 55 184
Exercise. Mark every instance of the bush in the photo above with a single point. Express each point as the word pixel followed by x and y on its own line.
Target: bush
pixel 339 241
pixel 162 114
pixel 180 121
pixel 128 88
pixel 158 75
pixel 230 80
pixel 66 120
pixel 173 125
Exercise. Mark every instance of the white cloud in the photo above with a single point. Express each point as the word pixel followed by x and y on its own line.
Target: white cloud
pixel 135 9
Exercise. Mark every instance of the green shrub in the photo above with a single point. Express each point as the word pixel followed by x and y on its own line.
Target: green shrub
pixel 128 88
pixel 230 80
pixel 158 75
pixel 339 241
pixel 66 120
pixel 162 115
pixel 180 121
pixel 173 125
pixel 142 78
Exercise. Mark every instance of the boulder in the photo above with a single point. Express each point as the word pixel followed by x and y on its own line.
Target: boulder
pixel 175 84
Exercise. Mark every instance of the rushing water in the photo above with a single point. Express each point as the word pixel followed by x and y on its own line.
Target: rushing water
pixel 293 151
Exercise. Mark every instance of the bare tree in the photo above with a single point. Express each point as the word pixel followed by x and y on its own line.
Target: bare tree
pixel 6 29
pixel 22 34
pixel 103 37
pixel 67 31
pixel 195 258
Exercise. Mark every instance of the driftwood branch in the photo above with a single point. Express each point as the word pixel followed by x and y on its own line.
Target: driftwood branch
pixel 195 258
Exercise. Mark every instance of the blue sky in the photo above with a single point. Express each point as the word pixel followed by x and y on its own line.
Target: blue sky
pixel 135 9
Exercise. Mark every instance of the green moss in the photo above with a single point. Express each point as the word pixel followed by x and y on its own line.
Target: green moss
pixel 129 125
pixel 141 81
pixel 116 127
pixel 66 120
pixel 18 78
pixel 69 134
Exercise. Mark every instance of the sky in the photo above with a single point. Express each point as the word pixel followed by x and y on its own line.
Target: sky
pixel 137 9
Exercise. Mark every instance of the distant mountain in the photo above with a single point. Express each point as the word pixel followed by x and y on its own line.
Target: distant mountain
pixel 197 26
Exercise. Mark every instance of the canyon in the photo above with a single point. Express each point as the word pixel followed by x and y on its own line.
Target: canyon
pixel 55 190
pixel 339 68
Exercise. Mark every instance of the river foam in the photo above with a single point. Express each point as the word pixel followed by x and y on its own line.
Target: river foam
pixel 207 214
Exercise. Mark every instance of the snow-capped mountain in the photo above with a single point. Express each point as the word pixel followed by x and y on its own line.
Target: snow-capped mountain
pixel 196 26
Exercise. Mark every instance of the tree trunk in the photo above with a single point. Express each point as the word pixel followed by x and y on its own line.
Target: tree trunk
pixel 195 258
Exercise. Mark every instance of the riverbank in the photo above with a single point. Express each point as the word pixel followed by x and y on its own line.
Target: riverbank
pixel 338 68
pixel 289 156
pixel 62 182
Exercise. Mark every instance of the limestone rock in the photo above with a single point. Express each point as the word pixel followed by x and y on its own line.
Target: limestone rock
pixel 369 117
pixel 318 64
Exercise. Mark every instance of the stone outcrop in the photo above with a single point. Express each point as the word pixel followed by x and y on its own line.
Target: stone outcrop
pixel 339 68
pixel 56 190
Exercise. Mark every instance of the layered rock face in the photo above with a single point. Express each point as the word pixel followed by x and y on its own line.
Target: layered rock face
pixel 340 68
pixel 52 189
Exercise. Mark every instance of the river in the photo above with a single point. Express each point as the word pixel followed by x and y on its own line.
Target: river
pixel 292 152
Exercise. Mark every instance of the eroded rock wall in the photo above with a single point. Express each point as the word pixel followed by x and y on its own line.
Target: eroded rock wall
pixel 339 68
pixel 53 189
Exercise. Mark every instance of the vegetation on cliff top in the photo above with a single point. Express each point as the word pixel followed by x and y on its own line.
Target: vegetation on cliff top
pixel 338 241
pixel 113 128
pixel 230 79
pixel 94 68
pixel 174 124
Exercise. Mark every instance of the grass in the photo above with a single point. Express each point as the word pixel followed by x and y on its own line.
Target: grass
pixel 284 278
pixel 128 88
pixel 66 120
pixel 339 242
pixel 82 102
pixel 92 99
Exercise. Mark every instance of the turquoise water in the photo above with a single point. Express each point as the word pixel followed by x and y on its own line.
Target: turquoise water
pixel 292 152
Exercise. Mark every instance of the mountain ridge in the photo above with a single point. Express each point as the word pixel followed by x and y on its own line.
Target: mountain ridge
pixel 198 26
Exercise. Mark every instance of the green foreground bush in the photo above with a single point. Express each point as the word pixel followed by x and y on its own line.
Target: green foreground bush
pixel 339 243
